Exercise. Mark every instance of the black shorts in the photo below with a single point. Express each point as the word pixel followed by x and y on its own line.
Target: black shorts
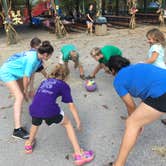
pixel 56 119
pixel 158 103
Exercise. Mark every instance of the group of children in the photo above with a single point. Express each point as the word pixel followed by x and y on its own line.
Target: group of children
pixel 18 75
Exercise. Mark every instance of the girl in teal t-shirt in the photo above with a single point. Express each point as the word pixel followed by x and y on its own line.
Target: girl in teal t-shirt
pixel 69 52
pixel 16 73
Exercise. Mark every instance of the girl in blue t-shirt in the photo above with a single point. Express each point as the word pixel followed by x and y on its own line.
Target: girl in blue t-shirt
pixel 146 82
pixel 16 74
pixel 156 52
pixel 44 107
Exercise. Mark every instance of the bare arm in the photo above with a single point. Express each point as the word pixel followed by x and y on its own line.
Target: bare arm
pixel 66 68
pixel 96 70
pixel 90 18
pixel 26 81
pixel 106 69
pixel 31 86
pixel 153 58
pixel 75 115
pixel 129 102
pixel 31 83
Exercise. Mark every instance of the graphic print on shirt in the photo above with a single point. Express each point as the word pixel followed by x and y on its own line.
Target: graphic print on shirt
pixel 47 86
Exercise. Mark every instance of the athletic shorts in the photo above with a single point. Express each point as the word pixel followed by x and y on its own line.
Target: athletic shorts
pixel 49 121
pixel 61 59
pixel 158 103
pixel 7 77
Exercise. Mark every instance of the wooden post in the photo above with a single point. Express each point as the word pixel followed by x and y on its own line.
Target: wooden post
pixel 59 27
pixel 160 11
pixel 99 7
pixel 10 31
pixel 132 5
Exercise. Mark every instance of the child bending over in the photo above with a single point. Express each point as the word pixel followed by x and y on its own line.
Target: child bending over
pixel 45 108
pixel 102 55
pixel 69 52
pixel 16 74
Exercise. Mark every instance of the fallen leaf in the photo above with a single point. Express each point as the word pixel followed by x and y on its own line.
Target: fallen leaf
pixel 5 107
pixel 123 117
pixel 67 157
pixel 106 107
pixel 160 150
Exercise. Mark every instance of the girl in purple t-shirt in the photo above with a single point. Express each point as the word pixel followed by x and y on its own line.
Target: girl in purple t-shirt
pixel 44 107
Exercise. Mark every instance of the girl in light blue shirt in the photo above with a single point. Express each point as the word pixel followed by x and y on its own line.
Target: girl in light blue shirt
pixel 156 52
pixel 16 73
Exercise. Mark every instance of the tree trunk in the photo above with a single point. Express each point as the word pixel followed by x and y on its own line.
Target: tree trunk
pixel 29 11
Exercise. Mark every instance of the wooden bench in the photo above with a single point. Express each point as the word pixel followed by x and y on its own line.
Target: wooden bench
pixel 118 20
pixel 147 18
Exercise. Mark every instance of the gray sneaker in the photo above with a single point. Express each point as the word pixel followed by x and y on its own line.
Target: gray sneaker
pixel 20 133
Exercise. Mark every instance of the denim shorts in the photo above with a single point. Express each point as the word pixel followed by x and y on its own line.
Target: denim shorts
pixel 158 103
pixel 89 22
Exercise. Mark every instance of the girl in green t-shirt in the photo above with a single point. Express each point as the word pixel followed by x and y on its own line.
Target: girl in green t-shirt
pixel 102 55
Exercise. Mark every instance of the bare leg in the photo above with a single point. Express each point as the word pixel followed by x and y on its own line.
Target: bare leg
pixel 16 91
pixel 66 68
pixel 142 116
pixel 88 28
pixel 81 70
pixel 71 135
pixel 33 132
pixel 20 83
pixel 91 28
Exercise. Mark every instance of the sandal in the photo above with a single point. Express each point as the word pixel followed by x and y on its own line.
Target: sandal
pixel 29 148
pixel 85 157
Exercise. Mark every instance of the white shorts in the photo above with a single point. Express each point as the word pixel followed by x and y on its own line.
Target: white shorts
pixel 61 59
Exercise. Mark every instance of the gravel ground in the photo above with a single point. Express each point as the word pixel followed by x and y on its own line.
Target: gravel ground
pixel 100 111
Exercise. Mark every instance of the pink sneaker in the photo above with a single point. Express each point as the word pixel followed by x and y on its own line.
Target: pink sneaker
pixel 85 157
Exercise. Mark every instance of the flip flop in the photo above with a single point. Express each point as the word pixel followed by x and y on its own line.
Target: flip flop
pixel 29 148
